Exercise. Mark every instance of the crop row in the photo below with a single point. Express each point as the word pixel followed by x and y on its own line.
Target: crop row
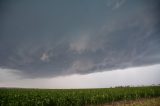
pixel 73 97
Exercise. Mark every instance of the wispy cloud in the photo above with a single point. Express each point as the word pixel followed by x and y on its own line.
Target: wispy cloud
pixel 115 4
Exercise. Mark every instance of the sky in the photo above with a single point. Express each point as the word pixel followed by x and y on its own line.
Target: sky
pixel 79 43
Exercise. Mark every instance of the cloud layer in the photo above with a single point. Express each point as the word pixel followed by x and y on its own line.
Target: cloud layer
pixel 43 39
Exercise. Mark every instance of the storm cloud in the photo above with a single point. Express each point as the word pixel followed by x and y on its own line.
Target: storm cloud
pixel 53 38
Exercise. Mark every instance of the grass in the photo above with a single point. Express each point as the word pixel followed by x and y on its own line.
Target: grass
pixel 138 102
pixel 74 97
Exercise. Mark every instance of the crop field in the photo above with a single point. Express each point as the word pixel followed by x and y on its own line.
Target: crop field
pixel 73 97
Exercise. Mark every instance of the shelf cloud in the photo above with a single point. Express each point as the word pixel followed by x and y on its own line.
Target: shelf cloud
pixel 56 38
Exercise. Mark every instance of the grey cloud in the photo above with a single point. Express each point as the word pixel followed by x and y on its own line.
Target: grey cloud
pixel 48 39
pixel 86 42
pixel 115 4
pixel 81 66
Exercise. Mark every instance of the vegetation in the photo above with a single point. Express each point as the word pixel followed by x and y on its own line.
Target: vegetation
pixel 73 97
pixel 138 102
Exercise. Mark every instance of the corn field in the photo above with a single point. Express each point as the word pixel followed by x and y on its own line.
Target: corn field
pixel 73 97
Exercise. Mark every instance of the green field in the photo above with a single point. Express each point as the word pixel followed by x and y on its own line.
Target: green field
pixel 73 97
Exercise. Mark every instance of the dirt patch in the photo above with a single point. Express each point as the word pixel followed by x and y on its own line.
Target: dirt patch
pixel 139 102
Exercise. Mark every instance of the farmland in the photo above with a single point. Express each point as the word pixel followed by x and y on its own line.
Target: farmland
pixel 73 97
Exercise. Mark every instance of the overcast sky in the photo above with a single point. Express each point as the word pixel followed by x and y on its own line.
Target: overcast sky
pixel 91 43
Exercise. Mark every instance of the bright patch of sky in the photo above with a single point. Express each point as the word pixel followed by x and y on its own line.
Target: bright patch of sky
pixel 146 75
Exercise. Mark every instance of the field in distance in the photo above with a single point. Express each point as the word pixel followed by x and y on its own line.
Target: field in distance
pixel 74 97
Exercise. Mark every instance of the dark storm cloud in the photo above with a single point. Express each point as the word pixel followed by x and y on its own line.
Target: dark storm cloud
pixel 64 37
